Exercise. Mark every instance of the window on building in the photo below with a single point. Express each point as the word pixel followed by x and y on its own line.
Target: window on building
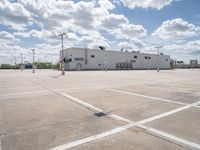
pixel 99 64
pixel 166 59
pixel 70 60
pixel 133 61
pixel 79 59
pixel 149 57
pixel 145 57
pixel 92 56
pixel 135 57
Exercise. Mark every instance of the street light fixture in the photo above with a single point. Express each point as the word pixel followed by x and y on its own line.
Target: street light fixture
pixel 62 61
pixel 158 59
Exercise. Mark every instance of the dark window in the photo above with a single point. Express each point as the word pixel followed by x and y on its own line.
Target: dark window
pixel 135 57
pixel 149 57
pixel 70 60
pixel 79 59
pixel 166 59
pixel 92 56
pixel 133 61
pixel 99 64
pixel 146 57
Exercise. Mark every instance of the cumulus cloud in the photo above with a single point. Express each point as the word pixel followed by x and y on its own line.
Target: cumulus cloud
pixel 156 4
pixel 125 45
pixel 14 15
pixel 6 37
pixel 119 26
pixel 106 4
pixel 133 44
pixel 113 21
pixel 176 29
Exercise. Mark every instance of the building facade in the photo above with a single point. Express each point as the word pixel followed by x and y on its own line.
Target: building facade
pixel 193 63
pixel 95 59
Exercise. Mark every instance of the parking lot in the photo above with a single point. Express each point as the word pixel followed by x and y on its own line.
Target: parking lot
pixel 90 110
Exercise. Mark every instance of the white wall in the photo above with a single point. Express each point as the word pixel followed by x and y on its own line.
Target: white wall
pixel 113 57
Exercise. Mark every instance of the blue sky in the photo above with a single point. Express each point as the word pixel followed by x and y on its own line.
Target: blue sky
pixel 129 24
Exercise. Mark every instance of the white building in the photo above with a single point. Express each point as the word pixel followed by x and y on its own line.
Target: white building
pixel 193 63
pixel 96 59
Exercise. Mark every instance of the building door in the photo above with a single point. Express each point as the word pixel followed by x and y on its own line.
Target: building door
pixel 78 66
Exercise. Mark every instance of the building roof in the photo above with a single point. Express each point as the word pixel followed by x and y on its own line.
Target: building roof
pixel 137 52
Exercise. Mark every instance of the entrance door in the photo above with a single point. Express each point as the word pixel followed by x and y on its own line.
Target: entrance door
pixel 78 66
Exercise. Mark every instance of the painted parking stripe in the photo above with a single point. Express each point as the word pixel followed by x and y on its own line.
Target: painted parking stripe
pixel 172 138
pixel 130 124
pixel 11 94
pixel 168 113
pixel 93 138
pixel 169 89
pixel 160 134
pixel 145 96
pixel 80 102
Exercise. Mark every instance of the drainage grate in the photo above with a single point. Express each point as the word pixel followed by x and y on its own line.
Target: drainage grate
pixel 100 114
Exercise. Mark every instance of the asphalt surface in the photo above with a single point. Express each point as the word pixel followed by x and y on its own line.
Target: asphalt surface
pixel 94 110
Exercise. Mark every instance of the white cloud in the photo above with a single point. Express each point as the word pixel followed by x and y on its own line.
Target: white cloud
pixel 6 37
pixel 106 4
pixel 176 29
pixel 14 15
pixel 133 44
pixel 119 26
pixel 157 4
pixel 125 45
pixel 130 31
pixel 113 21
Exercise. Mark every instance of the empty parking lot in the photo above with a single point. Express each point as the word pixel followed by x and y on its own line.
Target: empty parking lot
pixel 99 110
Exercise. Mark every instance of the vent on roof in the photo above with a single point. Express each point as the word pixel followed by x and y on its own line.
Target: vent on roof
pixel 100 114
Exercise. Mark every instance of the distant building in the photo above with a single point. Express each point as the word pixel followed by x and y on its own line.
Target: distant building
pixel 95 59
pixel 180 64
pixel 194 63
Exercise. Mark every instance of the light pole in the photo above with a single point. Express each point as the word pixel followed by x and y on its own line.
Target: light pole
pixel 62 61
pixel 15 63
pixel 158 59
pixel 33 66
pixel 21 62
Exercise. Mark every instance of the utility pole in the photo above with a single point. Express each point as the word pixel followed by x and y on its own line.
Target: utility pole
pixel 33 66
pixel 21 62
pixel 15 63
pixel 62 61
pixel 10 60
pixel 158 59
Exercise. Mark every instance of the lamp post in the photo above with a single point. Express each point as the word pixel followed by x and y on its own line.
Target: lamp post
pixel 21 62
pixel 15 63
pixel 33 66
pixel 158 59
pixel 62 61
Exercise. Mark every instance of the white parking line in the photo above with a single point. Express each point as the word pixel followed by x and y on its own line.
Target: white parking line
pixel 80 102
pixel 172 138
pixel 93 138
pixel 160 134
pixel 11 94
pixel 169 89
pixel 164 114
pixel 145 96
pixel 131 124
